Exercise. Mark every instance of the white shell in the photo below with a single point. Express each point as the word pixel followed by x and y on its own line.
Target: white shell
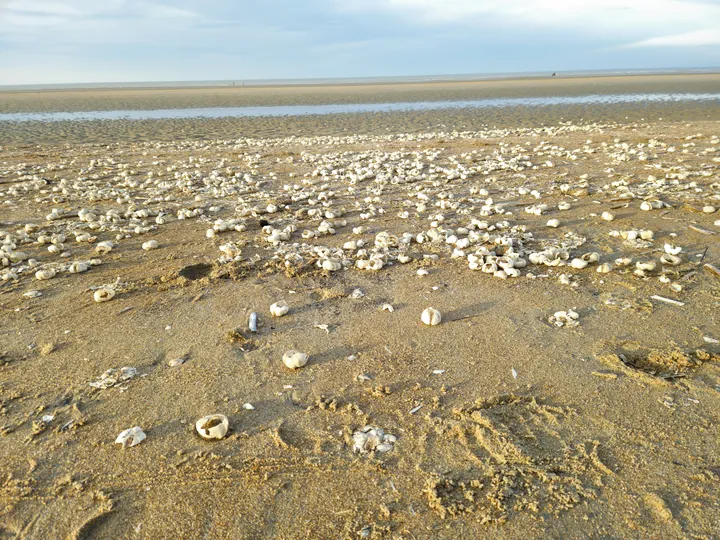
pixel 295 359
pixel 214 426
pixel 431 317
pixel 331 265
pixel 669 259
pixel 131 437
pixel 78 267
pixel 253 322
pixel 554 223
pixel 604 268
pixel 150 244
pixel 645 265
pixel 578 263
pixel 709 209
pixel 47 273
pixel 104 295
pixel 278 309
pixel 607 216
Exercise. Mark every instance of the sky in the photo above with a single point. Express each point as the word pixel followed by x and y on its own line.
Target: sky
pixel 84 41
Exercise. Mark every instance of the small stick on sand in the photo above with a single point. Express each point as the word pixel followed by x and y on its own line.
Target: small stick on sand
pixel 667 300
pixel 700 230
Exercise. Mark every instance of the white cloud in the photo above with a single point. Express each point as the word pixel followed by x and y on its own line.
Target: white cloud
pixel 609 18
pixel 699 38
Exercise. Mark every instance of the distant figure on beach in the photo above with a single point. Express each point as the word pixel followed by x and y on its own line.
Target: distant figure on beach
pixel 554 74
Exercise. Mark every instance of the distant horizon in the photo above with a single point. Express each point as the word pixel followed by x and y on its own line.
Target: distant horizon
pixel 309 81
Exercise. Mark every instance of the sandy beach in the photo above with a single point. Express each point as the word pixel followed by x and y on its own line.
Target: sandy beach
pixel 570 390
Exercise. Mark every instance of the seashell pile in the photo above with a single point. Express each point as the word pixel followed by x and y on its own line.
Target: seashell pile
pixel 567 319
pixel 373 439
pixel 114 377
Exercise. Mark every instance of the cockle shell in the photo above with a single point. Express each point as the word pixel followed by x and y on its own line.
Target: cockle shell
pixel 150 244
pixel 278 309
pixel 131 437
pixel 645 265
pixel 607 216
pixel 214 426
pixel 295 359
pixel 431 317
pixel 104 295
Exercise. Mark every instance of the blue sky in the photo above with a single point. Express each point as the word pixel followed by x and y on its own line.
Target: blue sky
pixel 74 41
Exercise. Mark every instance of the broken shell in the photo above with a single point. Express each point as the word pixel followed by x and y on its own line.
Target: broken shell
pixel 295 359
pixel 47 273
pixel 387 307
pixel 150 244
pixel 103 295
pixel 78 267
pixel 647 235
pixel 214 426
pixel 604 268
pixel 104 247
pixel 331 265
pixel 431 317
pixel 672 250
pixel 554 223
pixel 646 206
pixel 131 437
pixel 278 309
pixel 645 265
pixel 669 259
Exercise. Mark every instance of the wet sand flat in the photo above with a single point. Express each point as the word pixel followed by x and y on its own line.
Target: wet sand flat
pixel 238 96
pixel 510 420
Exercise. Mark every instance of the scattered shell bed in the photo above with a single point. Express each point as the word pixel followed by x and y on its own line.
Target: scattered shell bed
pixel 325 208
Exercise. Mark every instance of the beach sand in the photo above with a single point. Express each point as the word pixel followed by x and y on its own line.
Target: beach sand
pixel 507 426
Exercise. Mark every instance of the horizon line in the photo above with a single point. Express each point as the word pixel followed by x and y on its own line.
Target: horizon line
pixel 339 81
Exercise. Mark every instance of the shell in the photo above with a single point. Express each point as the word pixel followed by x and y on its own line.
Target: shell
pixel 604 268
pixel 669 259
pixel 47 273
pixel 554 223
pixel 295 359
pixel 278 309
pixel 104 295
pixel 78 267
pixel 150 244
pixel 646 265
pixel 607 216
pixel 331 265
pixel 578 263
pixel 213 426
pixel 104 247
pixel 131 437
pixel 431 317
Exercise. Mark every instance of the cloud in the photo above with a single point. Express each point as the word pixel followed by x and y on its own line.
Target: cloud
pixel 609 18
pixel 699 38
